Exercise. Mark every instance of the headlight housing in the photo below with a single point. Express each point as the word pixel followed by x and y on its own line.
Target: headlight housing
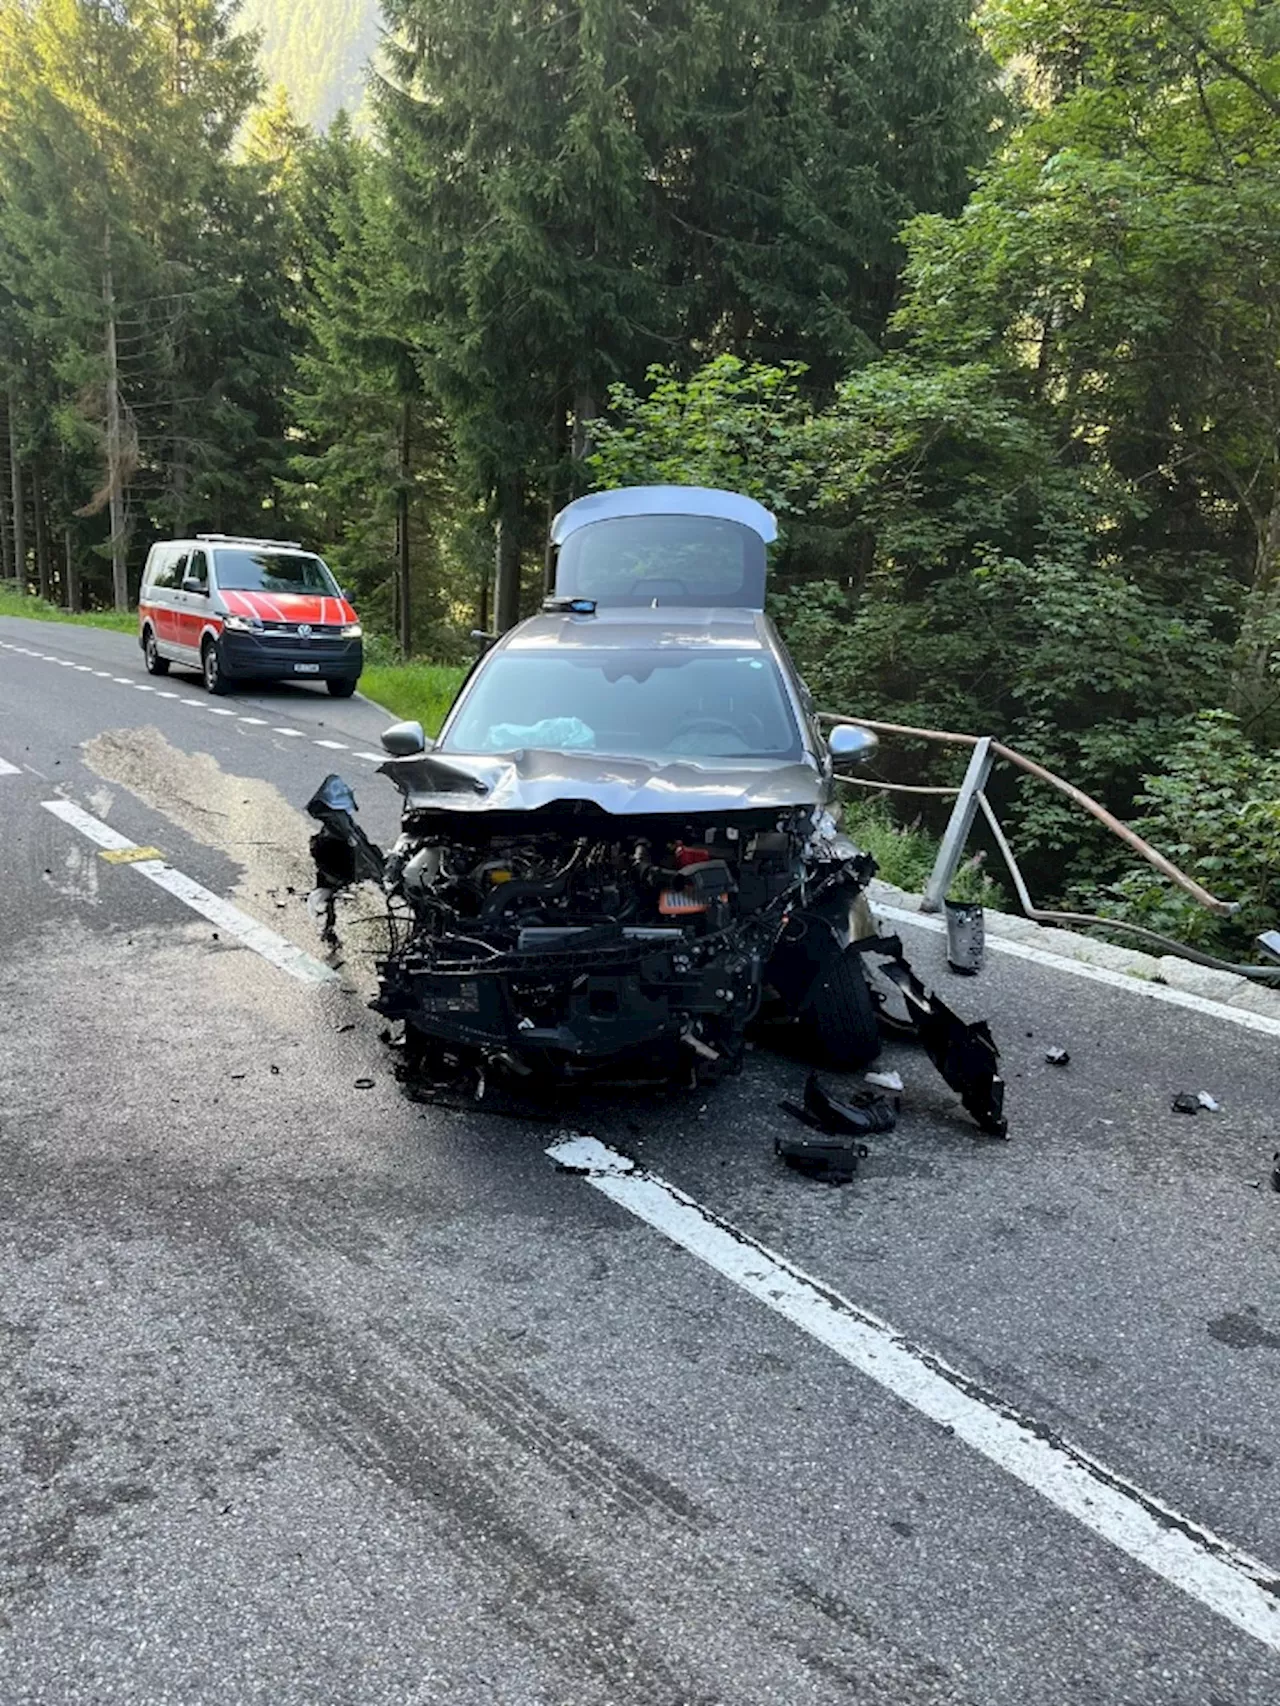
pixel 243 624
pixel 352 631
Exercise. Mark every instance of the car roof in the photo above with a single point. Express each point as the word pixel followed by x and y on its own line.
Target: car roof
pixel 664 500
pixel 642 629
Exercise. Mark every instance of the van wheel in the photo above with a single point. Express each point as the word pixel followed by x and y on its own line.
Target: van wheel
pixel 840 1014
pixel 156 665
pixel 211 666
pixel 341 687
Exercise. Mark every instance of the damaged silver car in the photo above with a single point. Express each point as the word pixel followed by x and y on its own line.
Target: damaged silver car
pixel 621 850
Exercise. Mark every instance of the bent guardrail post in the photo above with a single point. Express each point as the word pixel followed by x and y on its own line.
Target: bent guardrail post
pixel 956 834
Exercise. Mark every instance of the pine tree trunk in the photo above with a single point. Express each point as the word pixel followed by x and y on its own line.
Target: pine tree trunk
pixel 506 592
pixel 71 573
pixel 402 531
pixel 7 568
pixel 44 569
pixel 15 487
pixel 119 564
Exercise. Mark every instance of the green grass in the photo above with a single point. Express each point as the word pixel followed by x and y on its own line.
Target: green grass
pixel 421 691
pixel 15 603
pixel 905 854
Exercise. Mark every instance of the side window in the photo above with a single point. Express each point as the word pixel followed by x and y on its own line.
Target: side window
pixel 162 563
pixel 198 569
pixel 177 569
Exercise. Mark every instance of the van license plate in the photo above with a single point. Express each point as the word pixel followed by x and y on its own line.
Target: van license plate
pixel 306 669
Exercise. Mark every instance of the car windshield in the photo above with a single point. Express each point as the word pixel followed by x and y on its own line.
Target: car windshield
pixel 673 704
pixel 273 571
pixel 671 559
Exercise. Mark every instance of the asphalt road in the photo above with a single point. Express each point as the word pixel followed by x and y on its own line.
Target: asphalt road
pixel 310 1395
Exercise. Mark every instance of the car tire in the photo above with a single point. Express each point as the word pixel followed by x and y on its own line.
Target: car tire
pixel 156 665
pixel 215 679
pixel 840 1014
pixel 341 687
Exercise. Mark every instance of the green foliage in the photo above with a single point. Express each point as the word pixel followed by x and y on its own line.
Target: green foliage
pixel 317 49
pixel 905 853
pixel 14 602
pixel 1214 808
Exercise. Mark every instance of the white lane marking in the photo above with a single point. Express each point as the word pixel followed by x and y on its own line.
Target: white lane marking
pixel 1098 974
pixel 333 745
pixel 122 680
pixel 7 769
pixel 83 668
pixel 143 688
pixel 218 710
pixel 267 943
pixel 103 674
pixel 258 722
pixel 296 734
pixel 373 757
pixel 1229 1581
pixel 164 693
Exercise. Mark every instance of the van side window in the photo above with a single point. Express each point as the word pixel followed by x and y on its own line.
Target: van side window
pixel 198 569
pixel 163 576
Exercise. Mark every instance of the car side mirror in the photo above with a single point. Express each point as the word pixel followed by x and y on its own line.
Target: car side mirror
pixel 192 585
pixel 849 744
pixel 404 740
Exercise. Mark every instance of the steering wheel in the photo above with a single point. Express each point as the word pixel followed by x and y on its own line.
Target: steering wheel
pixel 721 725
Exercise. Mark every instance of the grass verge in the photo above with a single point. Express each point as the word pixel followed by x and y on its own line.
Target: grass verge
pixel 419 691
pixel 905 853
pixel 15 603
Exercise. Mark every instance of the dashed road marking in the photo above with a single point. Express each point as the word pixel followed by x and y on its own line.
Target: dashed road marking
pixel 1236 1586
pixel 217 710
pixel 333 745
pixel 267 943
pixel 165 693
pixel 373 757
pixel 258 722
pixel 296 734
pixel 122 680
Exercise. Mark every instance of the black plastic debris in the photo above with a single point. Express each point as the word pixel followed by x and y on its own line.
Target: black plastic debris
pixel 1185 1103
pixel 1275 1172
pixel 364 1084
pixel 860 1114
pixel 1057 1057
pixel 964 1053
pixel 343 853
pixel 830 1156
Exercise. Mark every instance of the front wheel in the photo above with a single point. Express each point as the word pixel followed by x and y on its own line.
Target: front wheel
pixel 156 665
pixel 341 687
pixel 840 1014
pixel 211 667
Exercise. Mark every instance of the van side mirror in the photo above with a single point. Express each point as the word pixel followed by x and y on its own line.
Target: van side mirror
pixel 193 585
pixel 404 740
pixel 849 744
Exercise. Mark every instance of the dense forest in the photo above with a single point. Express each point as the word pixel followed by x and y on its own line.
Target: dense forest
pixel 985 307
pixel 316 49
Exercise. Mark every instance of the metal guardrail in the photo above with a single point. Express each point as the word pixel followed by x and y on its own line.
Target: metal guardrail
pixel 970 799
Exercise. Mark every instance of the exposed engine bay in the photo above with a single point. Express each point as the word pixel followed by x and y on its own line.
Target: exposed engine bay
pixel 569 942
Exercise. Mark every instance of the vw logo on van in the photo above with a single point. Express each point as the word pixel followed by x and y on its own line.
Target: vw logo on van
pixel 304 630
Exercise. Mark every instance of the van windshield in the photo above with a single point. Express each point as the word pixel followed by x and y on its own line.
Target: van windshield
pixel 273 571
pixel 676 704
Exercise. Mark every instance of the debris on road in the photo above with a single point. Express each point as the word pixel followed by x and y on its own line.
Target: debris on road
pixel 886 1081
pixel 828 1156
pixel 965 936
pixel 965 1054
pixel 1275 1172
pixel 1210 1103
pixel 343 853
pixel 1185 1103
pixel 364 1084
pixel 862 1113
pixel 1057 1057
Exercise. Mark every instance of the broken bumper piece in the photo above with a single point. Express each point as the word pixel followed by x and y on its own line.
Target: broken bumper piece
pixel 964 1053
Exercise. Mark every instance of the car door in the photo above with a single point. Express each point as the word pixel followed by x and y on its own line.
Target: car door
pixel 193 609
